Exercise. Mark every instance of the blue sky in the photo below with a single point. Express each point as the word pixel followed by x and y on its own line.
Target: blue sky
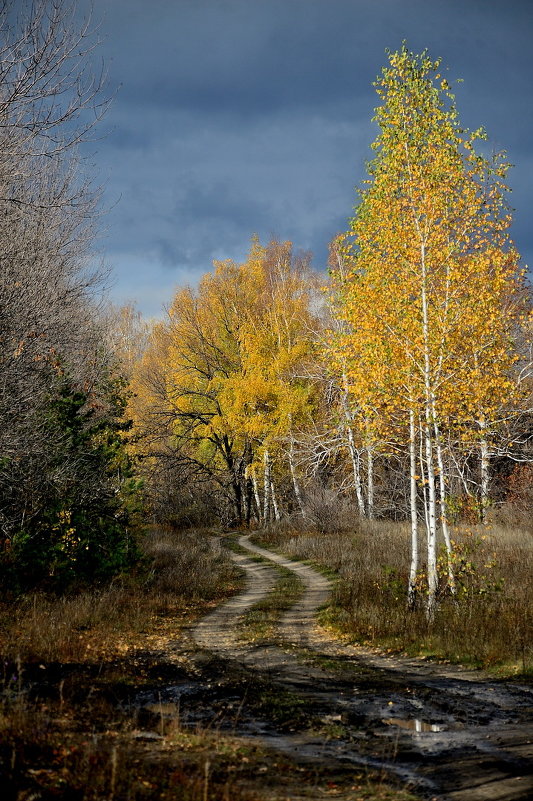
pixel 240 116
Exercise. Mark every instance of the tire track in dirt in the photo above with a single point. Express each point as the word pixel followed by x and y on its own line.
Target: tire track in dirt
pixel 298 625
pixel 456 734
pixel 219 632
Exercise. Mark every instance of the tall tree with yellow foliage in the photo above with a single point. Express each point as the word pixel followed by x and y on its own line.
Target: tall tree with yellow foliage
pixel 428 296
pixel 271 396
pixel 223 380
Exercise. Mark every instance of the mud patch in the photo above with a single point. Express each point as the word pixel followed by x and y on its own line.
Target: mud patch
pixel 414 724
pixel 318 700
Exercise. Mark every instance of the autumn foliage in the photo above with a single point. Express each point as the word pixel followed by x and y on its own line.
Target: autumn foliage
pixel 430 288
pixel 399 390
pixel 226 372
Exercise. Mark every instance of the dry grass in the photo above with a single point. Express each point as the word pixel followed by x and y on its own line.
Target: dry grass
pixel 490 623
pixel 73 668
pixel 192 564
pixel 69 663
pixel 45 757
pixel 180 765
pixel 183 571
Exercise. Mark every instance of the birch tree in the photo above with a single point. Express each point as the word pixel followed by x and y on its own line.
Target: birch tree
pixel 223 381
pixel 432 269
pixel 272 397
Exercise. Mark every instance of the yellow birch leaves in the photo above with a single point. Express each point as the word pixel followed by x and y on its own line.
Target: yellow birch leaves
pixel 231 357
pixel 431 275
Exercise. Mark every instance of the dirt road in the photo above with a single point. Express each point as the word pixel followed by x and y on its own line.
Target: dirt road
pixel 444 732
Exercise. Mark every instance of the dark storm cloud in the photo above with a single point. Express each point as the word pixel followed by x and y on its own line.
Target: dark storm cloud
pixel 216 213
pixel 248 58
pixel 219 202
pixel 238 57
pixel 242 116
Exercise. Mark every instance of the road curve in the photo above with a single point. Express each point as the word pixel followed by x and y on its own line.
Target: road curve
pixel 298 625
pixel 472 735
pixel 219 631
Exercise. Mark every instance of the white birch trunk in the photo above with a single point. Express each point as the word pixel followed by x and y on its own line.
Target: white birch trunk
pixel 256 495
pixel 423 474
pixel 370 483
pixel 485 473
pixel 266 487
pixel 356 467
pixel 354 453
pixel 432 520
pixel 295 484
pixel 428 440
pixel 444 514
pixel 411 591
pixel 274 501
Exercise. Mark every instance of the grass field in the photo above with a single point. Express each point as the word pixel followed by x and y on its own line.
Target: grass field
pixel 488 624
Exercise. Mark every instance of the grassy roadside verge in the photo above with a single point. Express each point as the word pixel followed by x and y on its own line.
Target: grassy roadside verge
pixel 71 665
pixel 488 626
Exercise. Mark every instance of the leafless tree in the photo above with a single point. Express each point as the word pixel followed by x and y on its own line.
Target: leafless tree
pixel 51 335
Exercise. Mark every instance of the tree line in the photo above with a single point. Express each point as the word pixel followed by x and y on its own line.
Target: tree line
pixel 405 386
pixel 400 387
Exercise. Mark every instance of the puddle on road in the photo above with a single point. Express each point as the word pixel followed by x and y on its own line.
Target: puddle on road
pixel 414 724
pixel 165 709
